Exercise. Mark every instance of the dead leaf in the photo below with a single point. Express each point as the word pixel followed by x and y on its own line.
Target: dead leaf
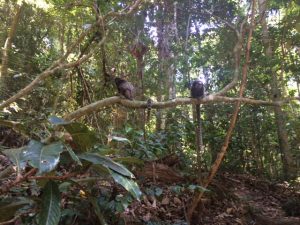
pixel 165 201
pixel 239 221
pixel 229 210
pixel 177 200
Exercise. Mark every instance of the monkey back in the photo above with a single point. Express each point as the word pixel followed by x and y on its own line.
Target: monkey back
pixel 125 88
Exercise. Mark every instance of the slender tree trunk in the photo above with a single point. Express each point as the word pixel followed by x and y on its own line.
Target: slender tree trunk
pixel 280 117
pixel 163 57
pixel 62 36
pixel 7 46
pixel 256 145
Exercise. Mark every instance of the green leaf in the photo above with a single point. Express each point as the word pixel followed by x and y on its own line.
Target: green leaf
pixel 50 208
pixel 43 157
pixel 82 136
pixel 107 162
pixel 194 187
pixel 120 139
pixel 57 121
pixel 9 206
pixel 128 184
pixel 101 170
pixel 73 155
pixel 15 155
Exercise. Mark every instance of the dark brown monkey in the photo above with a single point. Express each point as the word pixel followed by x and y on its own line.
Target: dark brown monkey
pixel 197 91
pixel 125 88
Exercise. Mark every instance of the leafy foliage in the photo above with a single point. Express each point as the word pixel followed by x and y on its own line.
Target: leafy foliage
pixel 43 157
pixel 50 208
pixel 183 40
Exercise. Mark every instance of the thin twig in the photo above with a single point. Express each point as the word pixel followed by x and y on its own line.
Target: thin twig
pixel 8 186
pixel 64 177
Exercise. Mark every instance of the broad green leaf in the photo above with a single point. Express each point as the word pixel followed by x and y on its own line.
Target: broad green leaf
pixel 73 155
pixel 128 184
pixel 50 208
pixel 120 139
pixel 64 187
pixel 107 162
pixel 43 157
pixel 9 206
pixel 100 169
pixel 82 136
pixel 15 155
pixel 57 121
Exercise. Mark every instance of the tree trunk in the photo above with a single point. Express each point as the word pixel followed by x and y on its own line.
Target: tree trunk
pixel 165 32
pixel 7 46
pixel 256 144
pixel 280 117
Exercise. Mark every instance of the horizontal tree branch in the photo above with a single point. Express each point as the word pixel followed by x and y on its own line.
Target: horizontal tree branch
pixel 210 99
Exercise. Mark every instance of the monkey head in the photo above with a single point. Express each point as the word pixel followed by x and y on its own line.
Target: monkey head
pixel 197 89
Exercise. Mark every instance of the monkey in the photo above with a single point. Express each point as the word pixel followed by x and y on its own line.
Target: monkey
pixel 198 91
pixel 125 88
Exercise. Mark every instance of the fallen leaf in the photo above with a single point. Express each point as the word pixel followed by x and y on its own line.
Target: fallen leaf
pixel 177 201
pixel 165 201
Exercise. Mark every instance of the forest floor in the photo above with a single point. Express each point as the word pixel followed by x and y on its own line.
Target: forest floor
pixel 232 199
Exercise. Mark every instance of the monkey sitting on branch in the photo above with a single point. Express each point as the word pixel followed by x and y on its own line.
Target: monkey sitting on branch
pixel 198 91
pixel 125 88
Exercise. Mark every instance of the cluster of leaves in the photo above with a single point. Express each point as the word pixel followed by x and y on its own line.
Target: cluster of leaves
pixel 59 164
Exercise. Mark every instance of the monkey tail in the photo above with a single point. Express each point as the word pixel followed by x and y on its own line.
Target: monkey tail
pixel 149 106
pixel 198 114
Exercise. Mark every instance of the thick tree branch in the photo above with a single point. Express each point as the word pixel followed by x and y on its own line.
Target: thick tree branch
pixel 210 99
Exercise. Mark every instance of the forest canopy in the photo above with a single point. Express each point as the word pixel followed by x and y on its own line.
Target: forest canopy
pixel 94 93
